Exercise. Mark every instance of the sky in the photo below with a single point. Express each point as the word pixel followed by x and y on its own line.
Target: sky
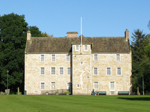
pixel 103 18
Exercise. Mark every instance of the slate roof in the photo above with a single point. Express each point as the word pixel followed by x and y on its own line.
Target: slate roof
pixel 64 44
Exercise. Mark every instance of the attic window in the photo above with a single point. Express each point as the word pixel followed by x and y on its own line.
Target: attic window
pixel 85 47
pixel 77 48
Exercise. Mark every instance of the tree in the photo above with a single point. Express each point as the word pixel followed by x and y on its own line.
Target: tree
pixel 35 31
pixel 46 35
pixel 139 59
pixel 13 30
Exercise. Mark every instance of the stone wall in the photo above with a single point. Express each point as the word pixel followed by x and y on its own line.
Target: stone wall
pixel 33 77
pixel 82 70
pixel 122 82
pixel 83 74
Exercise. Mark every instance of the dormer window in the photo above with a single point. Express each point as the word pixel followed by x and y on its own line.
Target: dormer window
pixel 77 48
pixel 85 47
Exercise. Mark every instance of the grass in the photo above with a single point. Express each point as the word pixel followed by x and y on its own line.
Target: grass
pixel 25 103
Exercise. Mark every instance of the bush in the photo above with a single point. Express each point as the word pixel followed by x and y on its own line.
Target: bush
pixel 67 92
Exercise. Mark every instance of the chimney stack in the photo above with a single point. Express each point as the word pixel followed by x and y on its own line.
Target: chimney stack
pixel 28 35
pixel 127 35
pixel 72 34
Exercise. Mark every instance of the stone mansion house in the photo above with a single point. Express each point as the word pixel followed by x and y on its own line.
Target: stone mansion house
pixel 79 64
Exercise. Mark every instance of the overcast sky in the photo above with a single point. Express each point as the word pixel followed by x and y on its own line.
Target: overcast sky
pixel 99 17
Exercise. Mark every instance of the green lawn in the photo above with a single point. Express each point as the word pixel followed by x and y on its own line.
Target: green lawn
pixel 25 103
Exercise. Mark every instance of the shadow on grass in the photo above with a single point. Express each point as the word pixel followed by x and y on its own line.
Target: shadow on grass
pixel 136 98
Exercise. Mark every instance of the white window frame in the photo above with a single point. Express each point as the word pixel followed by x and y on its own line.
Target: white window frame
pixel 107 71
pixel 85 48
pixel 94 85
pixel 69 71
pixel 68 86
pixel 40 85
pixel 41 70
pixel 67 57
pixel 76 47
pixel 94 71
pixel 120 71
pixel 78 85
pixel 51 86
pixel 95 59
pixel 51 70
pixel 118 57
pixel 60 70
pixel 110 86
pixel 42 58
pixel 54 57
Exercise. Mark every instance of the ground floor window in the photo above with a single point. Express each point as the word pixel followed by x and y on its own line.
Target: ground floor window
pixel 112 85
pixel 95 85
pixel 68 85
pixel 53 85
pixel 42 85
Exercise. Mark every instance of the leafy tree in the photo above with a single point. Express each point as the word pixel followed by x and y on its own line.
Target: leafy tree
pixel 140 58
pixel 46 35
pixel 13 30
pixel 35 31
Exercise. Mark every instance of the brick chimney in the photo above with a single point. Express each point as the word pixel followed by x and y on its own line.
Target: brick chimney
pixel 72 34
pixel 127 35
pixel 28 35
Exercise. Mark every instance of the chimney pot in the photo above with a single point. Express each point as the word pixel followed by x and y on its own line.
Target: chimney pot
pixel 127 34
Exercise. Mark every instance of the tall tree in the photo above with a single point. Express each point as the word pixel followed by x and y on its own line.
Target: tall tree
pixel 139 43
pixel 13 30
